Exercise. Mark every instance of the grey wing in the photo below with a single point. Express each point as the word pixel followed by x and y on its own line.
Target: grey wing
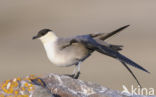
pixel 64 44
pixel 77 50
pixel 90 43
pixel 63 41
pixel 111 46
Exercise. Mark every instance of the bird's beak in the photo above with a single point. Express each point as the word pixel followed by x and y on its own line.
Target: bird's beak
pixel 35 37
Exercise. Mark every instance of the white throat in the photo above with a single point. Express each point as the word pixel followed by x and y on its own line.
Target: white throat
pixel 49 41
pixel 49 37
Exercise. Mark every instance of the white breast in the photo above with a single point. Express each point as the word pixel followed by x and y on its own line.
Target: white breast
pixel 56 57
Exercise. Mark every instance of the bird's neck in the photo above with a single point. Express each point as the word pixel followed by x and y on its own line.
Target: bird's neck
pixel 48 38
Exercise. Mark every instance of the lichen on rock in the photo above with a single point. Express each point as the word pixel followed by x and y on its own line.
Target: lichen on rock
pixel 53 85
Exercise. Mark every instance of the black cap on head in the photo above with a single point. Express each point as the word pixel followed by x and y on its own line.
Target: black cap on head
pixel 41 33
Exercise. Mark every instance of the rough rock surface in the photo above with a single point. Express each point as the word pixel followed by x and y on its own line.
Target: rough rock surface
pixel 54 85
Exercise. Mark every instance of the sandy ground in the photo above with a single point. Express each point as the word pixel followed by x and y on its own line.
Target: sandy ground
pixel 21 19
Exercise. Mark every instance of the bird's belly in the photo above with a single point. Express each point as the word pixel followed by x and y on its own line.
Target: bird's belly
pixel 61 59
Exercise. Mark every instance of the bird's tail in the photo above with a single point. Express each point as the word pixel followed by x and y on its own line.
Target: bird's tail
pixel 130 62
pixel 132 73
pixel 104 36
pixel 120 57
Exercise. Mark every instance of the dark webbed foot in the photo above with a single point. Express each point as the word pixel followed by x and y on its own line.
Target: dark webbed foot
pixel 70 75
pixel 77 75
pixel 73 75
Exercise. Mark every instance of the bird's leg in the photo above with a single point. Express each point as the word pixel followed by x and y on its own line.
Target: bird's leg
pixel 73 74
pixel 78 71
pixel 74 71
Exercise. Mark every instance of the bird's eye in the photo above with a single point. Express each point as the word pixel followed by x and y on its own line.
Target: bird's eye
pixel 42 33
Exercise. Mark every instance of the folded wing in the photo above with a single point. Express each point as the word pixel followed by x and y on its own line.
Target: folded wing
pixel 90 43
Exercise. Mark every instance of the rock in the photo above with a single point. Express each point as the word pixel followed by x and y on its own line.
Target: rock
pixel 54 85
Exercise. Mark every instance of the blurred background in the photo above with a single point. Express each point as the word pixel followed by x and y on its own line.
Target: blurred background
pixel 22 19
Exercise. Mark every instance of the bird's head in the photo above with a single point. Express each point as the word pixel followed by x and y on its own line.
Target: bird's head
pixel 42 33
pixel 45 35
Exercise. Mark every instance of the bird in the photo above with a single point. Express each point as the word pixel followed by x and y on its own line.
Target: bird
pixel 72 51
